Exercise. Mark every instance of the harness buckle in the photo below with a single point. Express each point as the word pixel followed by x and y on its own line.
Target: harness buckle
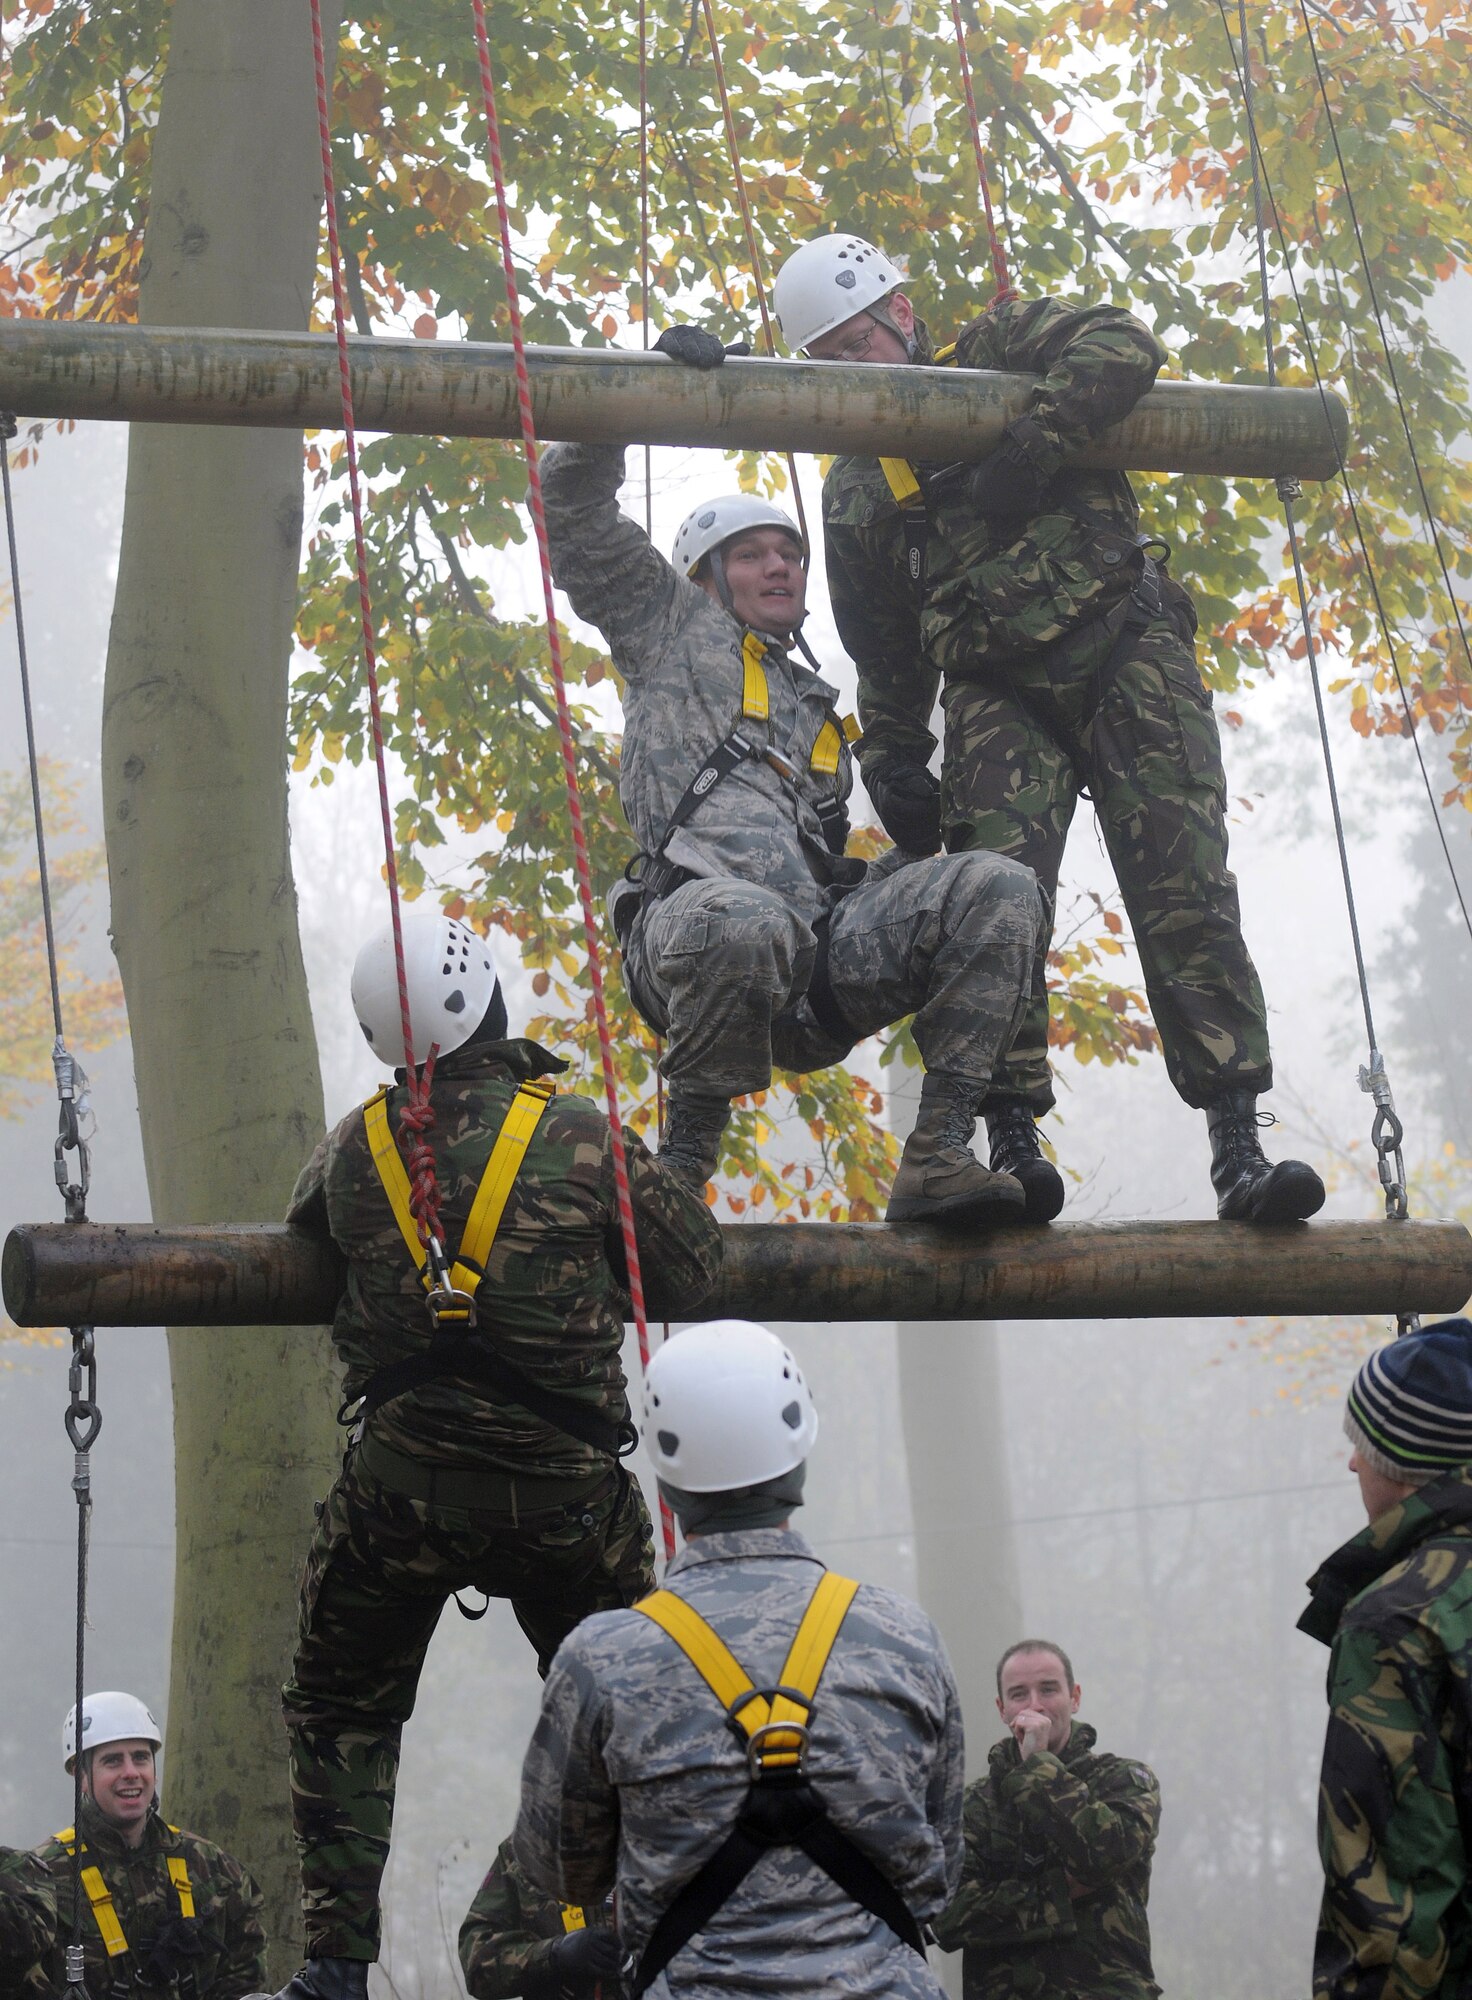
pixel 450 1307
pixel 763 1761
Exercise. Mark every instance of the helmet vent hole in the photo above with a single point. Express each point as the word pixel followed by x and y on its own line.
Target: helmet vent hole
pixel 669 1444
pixel 455 1002
pixel 792 1416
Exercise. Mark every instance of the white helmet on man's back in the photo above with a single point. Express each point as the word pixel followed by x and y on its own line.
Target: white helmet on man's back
pixel 826 281
pixel 715 521
pixel 109 1717
pixel 726 1406
pixel 451 979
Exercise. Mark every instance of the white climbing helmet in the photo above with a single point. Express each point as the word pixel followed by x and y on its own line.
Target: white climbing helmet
pixel 726 1406
pixel 716 521
pixel 451 978
pixel 109 1717
pixel 826 281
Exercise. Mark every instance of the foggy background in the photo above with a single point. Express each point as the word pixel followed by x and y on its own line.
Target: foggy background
pixel 1164 1486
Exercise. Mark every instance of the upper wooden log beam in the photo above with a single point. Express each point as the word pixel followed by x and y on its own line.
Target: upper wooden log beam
pixel 58 1274
pixel 67 368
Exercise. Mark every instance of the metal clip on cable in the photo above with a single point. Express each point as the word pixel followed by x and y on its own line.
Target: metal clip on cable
pixel 71 1091
pixel 1388 1135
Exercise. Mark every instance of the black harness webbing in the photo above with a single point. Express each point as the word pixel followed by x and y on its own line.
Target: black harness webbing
pixel 781 1808
pixel 781 1811
pixel 467 1355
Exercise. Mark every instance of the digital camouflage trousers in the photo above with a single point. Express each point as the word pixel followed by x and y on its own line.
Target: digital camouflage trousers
pixel 1142 738
pixel 951 940
pixel 379 1571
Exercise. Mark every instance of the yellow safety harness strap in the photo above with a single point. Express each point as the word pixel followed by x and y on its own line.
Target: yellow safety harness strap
pixel 391 1172
pixel 755 699
pixel 827 750
pixel 507 1155
pixel 755 1713
pixel 179 1876
pixel 491 1197
pixel 100 1897
pixel 573 1918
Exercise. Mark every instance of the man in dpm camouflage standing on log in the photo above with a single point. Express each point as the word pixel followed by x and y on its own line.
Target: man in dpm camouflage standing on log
pixel 1394 1605
pixel 490 1411
pixel 1065 655
pixel 1059 1840
pixel 749 938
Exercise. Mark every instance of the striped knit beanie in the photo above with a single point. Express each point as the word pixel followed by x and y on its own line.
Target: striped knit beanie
pixel 1410 1406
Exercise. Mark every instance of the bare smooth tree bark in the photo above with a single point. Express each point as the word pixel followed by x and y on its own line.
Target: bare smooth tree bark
pixel 203 904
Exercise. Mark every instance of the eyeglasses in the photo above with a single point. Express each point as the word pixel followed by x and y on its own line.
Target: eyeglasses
pixel 856 349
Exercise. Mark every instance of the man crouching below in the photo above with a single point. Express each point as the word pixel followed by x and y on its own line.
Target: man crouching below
pixel 749 938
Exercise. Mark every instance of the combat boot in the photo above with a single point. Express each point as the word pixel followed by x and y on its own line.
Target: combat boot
pixel 1017 1150
pixel 940 1178
pixel 691 1146
pixel 327 1979
pixel 1249 1187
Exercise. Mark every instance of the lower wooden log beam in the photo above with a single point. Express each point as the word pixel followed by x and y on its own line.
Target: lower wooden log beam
pixel 157 375
pixel 134 1275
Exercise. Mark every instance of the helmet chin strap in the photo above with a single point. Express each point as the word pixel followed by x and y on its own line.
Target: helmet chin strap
pixel 717 563
pixel 880 313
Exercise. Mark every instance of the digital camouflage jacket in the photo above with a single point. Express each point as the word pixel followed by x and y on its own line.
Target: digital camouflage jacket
pixel 27 1915
pixel 218 1954
pixel 634 1772
pixel 1032 1828
pixel 993 587
pixel 680 656
pixel 510 1928
pixel 553 1293
pixel 1395 1796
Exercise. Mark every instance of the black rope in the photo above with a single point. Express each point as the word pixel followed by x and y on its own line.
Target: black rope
pixel 83 1422
pixel 1387 1132
pixel 1312 350
pixel 71 1080
pixel 1405 422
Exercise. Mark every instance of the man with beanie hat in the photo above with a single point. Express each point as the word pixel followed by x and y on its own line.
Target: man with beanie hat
pixel 1395 1606
pixel 488 1407
pixel 765 1758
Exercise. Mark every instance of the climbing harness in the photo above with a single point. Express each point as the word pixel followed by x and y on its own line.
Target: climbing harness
pixel 1387 1133
pixel 456 1349
pixel 83 1419
pixel 782 1807
pixel 99 1896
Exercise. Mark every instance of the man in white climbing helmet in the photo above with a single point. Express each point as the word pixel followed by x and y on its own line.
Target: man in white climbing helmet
pixel 165 1912
pixel 480 1460
pixel 666 1763
pixel 751 940
pixel 1024 593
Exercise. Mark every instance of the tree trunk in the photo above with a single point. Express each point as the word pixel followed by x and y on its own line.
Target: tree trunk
pixel 204 909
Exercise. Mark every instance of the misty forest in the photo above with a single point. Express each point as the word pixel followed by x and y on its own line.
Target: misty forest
pixel 1149 1492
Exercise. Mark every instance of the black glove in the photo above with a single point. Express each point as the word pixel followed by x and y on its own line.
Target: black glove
pixel 575 1965
pixel 907 800
pixel 1017 475
pixel 697 348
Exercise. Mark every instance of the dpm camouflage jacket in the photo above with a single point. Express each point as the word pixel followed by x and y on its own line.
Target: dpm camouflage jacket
pixel 1000 586
pixel 1056 1876
pixel 217 1954
pixel 1395 1796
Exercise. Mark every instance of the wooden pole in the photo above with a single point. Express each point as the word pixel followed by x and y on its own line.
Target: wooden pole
pixel 58 1274
pixel 65 368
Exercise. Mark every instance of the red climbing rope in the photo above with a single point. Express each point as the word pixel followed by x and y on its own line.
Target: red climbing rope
pixel 564 720
pixel 1005 288
pixel 753 253
pixel 418 1118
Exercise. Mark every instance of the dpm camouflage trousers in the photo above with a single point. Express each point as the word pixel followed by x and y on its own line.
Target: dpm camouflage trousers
pixel 379 1571
pixel 1143 739
pixel 951 940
